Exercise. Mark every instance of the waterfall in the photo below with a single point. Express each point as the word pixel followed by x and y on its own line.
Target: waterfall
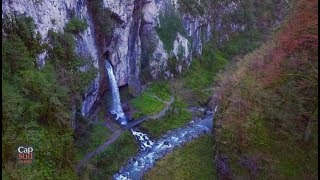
pixel 116 108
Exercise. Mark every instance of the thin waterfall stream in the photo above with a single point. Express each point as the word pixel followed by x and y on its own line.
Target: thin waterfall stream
pixel 116 108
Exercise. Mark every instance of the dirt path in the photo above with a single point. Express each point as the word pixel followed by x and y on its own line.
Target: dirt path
pixel 111 125
pixel 164 110
pixel 101 148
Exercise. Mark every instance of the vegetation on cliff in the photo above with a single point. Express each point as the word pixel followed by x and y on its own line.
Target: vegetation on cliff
pixel 37 103
pixel 267 117
pixel 266 126
pixel 170 25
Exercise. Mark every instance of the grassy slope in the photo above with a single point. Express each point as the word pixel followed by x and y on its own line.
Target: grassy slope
pixel 147 104
pixel 96 136
pixel 193 161
pixel 104 165
pixel 170 121
pixel 269 103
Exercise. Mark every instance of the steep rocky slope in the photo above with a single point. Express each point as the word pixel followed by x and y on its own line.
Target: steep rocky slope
pixel 137 47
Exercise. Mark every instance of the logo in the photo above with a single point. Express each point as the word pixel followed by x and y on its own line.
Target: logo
pixel 25 155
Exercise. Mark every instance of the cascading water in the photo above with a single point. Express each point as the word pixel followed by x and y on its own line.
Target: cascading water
pixel 144 140
pixel 152 151
pixel 116 108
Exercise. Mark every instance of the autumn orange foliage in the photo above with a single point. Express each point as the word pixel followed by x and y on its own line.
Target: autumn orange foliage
pixel 298 36
pixel 300 33
pixel 268 99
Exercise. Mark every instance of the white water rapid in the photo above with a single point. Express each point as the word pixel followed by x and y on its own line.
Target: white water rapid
pixel 142 138
pixel 151 151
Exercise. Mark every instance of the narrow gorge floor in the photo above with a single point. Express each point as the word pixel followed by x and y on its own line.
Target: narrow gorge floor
pixel 178 137
pixel 148 156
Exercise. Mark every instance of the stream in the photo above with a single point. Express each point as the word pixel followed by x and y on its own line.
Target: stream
pixel 153 150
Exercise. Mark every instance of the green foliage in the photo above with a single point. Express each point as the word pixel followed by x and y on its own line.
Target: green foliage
pixel 258 130
pixel 197 80
pixel 170 25
pixel 192 7
pixel 4 175
pixel 16 57
pixel 252 13
pixel 266 112
pixel 101 16
pixel 76 25
pixel 171 64
pixel 242 43
pixel 68 64
pixel 160 89
pixel 52 150
pixel 193 161
pixel 147 103
pixel 108 162
pixel 173 119
pixel 37 102
pixel 203 71
pixel 41 86
pixel 95 136
pixel 23 27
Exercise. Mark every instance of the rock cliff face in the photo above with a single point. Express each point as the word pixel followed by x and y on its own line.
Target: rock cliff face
pixel 136 49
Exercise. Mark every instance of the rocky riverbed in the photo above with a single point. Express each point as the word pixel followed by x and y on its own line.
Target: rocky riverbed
pixel 138 165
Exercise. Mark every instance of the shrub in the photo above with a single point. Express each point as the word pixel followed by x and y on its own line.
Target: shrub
pixel 40 98
pixel 171 121
pixel 76 25
pixel 170 25
pixel 269 104
pixel 192 7
pixel 242 43
pixel 211 62
pixel 96 135
pixel 109 162
pixel 101 16
pixel 23 27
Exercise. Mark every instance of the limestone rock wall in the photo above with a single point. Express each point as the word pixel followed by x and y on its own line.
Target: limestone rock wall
pixel 136 49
